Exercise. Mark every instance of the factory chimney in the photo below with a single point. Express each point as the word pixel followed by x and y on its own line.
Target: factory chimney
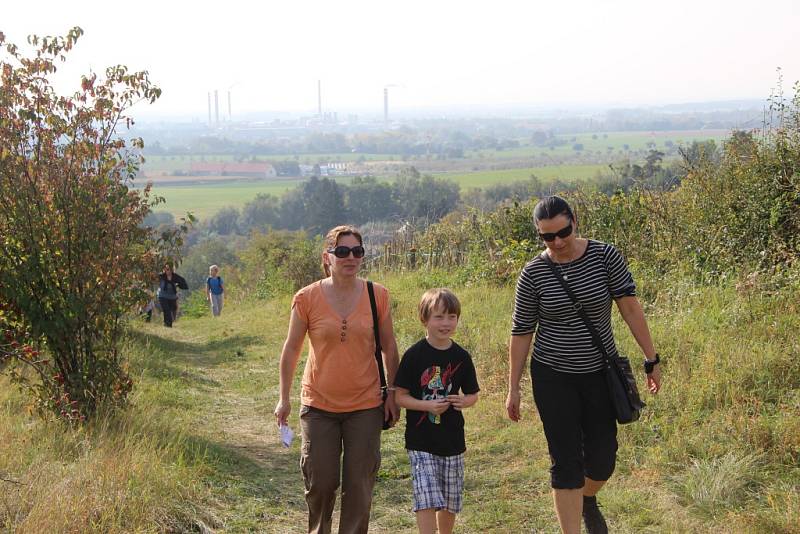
pixel 216 107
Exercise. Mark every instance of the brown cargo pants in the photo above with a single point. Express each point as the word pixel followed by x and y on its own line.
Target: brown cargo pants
pixel 325 435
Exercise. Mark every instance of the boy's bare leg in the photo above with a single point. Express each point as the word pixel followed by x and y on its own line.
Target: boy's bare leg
pixel 426 521
pixel 446 520
pixel 591 487
pixel 569 505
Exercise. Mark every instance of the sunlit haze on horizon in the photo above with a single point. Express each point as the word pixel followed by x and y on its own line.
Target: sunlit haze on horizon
pixel 434 54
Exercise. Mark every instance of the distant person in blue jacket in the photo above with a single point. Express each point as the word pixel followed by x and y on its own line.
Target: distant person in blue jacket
pixel 215 290
pixel 168 284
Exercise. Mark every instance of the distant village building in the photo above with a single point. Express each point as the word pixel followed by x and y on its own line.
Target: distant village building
pixel 254 169
pixel 338 168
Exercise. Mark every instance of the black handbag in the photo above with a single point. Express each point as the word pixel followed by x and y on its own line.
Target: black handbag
pixel 619 375
pixel 378 356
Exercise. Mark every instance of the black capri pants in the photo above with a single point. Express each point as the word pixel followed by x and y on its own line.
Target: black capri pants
pixel 579 423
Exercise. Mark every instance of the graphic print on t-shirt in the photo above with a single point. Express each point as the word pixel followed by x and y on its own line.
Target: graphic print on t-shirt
pixel 436 384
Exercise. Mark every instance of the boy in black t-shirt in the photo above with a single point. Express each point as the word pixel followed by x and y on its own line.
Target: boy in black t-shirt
pixel 435 382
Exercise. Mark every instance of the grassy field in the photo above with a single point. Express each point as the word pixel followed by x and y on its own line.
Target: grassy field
pixel 607 142
pixel 174 163
pixel 566 173
pixel 203 200
pixel 717 451
pixel 206 199
pixel 616 141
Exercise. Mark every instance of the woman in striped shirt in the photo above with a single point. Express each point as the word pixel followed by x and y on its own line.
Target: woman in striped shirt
pixel 569 387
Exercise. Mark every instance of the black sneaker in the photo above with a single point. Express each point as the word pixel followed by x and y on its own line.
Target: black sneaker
pixel 592 518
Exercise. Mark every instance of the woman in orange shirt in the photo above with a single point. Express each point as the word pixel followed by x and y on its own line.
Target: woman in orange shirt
pixel 341 404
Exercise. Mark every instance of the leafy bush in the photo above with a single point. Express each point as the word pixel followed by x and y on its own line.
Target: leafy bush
pixel 281 262
pixel 76 255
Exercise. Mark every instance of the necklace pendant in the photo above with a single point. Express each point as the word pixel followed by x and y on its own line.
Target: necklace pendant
pixel 566 277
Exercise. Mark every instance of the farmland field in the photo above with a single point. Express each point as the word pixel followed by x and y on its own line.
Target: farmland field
pixel 607 142
pixel 161 164
pixel 568 165
pixel 205 199
pixel 565 173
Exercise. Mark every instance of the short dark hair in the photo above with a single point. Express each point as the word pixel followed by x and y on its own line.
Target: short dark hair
pixel 433 298
pixel 550 207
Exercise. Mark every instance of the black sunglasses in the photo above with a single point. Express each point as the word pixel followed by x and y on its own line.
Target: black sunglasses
pixel 342 251
pixel 551 236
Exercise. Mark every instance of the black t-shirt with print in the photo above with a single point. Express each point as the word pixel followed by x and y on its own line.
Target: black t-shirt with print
pixel 429 373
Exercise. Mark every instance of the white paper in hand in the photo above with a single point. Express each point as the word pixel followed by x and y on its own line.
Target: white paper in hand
pixel 286 435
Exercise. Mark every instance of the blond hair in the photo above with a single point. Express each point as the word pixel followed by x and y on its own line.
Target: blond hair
pixel 332 239
pixel 433 298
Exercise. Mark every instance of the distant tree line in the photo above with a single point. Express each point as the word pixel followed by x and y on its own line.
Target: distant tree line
pixel 404 142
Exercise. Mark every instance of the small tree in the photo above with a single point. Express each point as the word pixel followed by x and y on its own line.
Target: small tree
pixel 75 256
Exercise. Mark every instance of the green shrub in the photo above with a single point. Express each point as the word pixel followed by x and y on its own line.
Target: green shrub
pixel 281 262
pixel 76 255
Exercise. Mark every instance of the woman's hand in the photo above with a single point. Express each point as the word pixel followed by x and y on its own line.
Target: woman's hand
pixel 391 412
pixel 282 411
pixel 512 404
pixel 654 379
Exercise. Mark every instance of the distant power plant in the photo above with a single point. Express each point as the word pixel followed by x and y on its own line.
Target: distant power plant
pixel 213 119
pixel 322 117
pixel 216 107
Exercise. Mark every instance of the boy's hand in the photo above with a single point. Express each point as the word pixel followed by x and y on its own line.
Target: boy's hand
pixel 457 402
pixel 462 401
pixel 438 406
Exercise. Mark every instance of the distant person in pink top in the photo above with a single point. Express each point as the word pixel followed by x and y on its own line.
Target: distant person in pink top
pixel 341 405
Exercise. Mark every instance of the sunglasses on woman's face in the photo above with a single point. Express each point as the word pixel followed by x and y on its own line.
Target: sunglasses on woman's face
pixel 342 251
pixel 551 236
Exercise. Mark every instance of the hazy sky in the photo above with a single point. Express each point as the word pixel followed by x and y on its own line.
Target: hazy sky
pixel 436 52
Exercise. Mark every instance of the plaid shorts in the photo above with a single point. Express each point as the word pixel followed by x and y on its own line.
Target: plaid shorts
pixel 438 481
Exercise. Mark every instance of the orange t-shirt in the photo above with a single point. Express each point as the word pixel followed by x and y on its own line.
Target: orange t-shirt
pixel 341 373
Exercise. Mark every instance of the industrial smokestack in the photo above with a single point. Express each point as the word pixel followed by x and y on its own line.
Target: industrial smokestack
pixel 209 108
pixel 230 117
pixel 216 107
pixel 319 97
pixel 385 104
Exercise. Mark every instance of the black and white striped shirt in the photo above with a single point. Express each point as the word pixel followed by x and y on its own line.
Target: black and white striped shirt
pixel 562 340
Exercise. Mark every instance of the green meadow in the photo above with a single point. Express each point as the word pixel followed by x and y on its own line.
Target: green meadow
pixel 203 200
pixel 614 143
pixel 158 163
pixel 565 173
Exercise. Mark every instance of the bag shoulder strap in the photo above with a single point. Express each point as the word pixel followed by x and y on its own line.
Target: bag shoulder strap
pixel 374 307
pixel 578 307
